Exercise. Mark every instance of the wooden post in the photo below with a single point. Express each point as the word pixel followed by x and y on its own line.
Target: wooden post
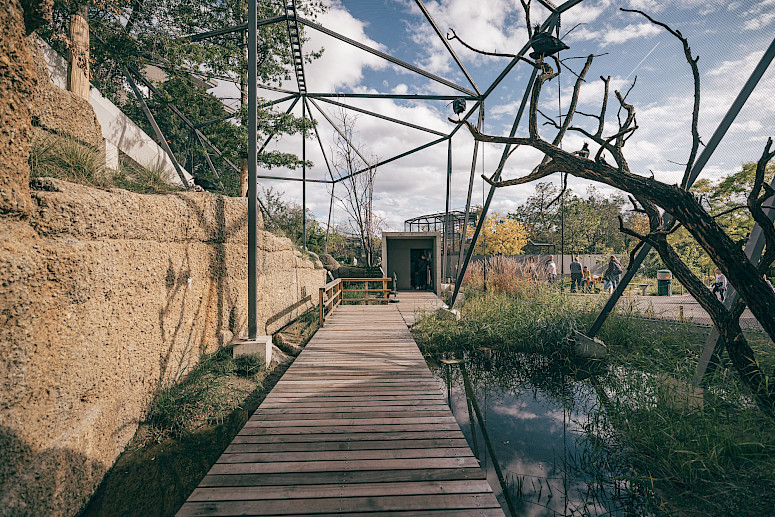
pixel 78 56
pixel 322 309
pixel 243 177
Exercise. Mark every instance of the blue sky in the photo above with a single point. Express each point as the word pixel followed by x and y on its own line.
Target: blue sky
pixel 729 37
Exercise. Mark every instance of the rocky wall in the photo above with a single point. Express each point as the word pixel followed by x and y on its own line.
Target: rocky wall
pixel 17 85
pixel 104 297
pixel 59 111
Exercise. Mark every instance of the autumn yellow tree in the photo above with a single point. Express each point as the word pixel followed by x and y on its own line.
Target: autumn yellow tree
pixel 500 235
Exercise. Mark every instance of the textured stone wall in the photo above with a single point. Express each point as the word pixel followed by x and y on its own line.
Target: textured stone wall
pixel 104 297
pixel 59 111
pixel 17 86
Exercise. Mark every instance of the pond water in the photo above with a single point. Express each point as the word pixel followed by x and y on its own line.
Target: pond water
pixel 549 450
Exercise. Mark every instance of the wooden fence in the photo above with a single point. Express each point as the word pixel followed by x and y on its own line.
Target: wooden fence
pixel 347 290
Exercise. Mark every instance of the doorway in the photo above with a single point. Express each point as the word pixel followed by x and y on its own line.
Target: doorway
pixel 421 279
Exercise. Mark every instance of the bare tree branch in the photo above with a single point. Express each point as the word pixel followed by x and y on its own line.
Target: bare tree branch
pixel 696 76
pixel 484 52
pixel 755 202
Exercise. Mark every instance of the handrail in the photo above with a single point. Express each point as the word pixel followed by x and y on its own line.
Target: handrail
pixel 332 295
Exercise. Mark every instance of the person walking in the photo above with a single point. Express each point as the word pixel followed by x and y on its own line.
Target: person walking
pixel 612 272
pixel 720 285
pixel 575 274
pixel 551 269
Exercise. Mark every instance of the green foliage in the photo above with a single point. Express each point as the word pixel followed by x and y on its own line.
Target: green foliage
pixel 66 158
pixel 152 32
pixel 204 395
pixel 248 365
pixel 541 319
pixel 126 33
pixel 591 223
pixel 284 218
pixel 63 157
pixel 150 179
pixel 229 137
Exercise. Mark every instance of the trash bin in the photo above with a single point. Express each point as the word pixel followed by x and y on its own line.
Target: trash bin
pixel 664 282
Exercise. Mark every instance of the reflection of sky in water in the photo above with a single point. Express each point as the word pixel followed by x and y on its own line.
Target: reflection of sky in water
pixel 538 443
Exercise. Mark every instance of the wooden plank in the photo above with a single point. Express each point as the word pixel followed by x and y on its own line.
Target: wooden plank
pixel 340 455
pixel 350 421
pixel 343 505
pixel 358 490
pixel 338 478
pixel 344 465
pixel 345 445
pixel 383 428
pixel 345 438
pixel 336 407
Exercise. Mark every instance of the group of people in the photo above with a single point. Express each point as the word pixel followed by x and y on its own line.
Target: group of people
pixel 581 277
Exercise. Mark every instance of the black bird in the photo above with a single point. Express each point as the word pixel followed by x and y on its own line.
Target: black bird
pixel 206 184
pixel 459 106
pixel 584 151
pixel 544 44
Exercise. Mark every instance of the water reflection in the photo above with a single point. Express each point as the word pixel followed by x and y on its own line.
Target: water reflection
pixel 544 444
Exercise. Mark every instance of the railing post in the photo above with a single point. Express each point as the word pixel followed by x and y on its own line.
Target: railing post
pixel 322 309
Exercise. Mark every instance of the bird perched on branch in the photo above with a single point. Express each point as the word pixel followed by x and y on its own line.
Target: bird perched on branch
pixel 584 151
pixel 459 106
pixel 544 44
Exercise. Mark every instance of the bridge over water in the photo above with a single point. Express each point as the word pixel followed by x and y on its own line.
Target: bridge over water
pixel 356 426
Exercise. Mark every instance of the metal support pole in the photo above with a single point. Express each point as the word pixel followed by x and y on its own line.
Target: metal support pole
pixel 252 171
pixel 479 124
pixel 330 173
pixel 155 126
pixel 304 175
pixel 721 130
pixel 490 195
pixel 714 345
pixel 445 257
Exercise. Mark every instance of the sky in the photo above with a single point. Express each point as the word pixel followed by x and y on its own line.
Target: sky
pixel 729 37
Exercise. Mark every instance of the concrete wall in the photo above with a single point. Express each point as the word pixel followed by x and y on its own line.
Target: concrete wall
pixel 104 297
pixel 396 248
pixel 118 130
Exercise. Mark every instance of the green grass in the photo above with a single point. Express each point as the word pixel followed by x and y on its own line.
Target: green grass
pixel 713 458
pixel 208 393
pixel 63 157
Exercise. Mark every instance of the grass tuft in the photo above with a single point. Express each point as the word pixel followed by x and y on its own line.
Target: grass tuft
pixel 205 395
pixel 63 157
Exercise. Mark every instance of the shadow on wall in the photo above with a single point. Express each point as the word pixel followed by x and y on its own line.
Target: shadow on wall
pixel 178 280
pixel 37 476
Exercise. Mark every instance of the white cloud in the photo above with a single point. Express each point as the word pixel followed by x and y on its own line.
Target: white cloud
pixel 610 35
pixel 341 65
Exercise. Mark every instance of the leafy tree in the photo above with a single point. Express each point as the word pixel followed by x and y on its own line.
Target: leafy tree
pixel 500 235
pixel 284 218
pixel 137 33
pixel 591 223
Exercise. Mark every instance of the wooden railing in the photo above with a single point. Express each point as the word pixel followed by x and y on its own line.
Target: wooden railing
pixel 334 293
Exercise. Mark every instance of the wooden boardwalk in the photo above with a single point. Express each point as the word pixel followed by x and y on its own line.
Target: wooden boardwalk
pixel 356 426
